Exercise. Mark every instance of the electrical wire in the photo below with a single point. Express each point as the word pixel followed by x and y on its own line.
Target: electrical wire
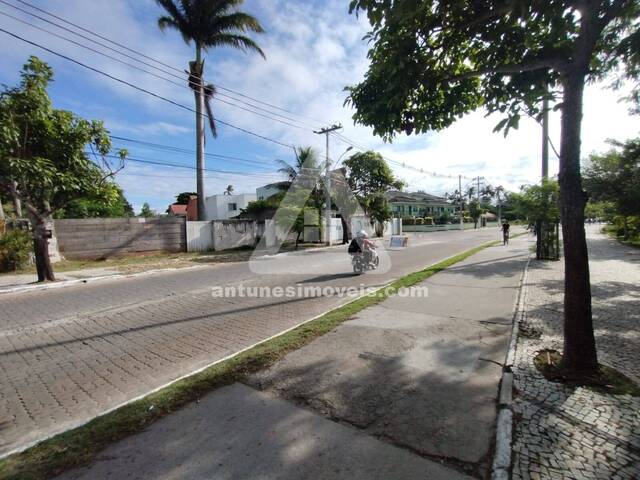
pixel 155 75
pixel 143 90
pixel 139 159
pixel 173 149
pixel 140 54
pixel 336 135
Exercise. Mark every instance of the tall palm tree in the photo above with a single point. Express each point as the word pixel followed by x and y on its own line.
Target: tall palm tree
pixel 306 170
pixel 207 24
pixel 306 161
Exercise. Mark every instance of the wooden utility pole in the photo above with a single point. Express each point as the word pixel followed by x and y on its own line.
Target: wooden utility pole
pixel 545 138
pixel 327 183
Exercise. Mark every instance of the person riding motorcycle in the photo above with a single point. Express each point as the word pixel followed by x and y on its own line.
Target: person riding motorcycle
pixel 362 244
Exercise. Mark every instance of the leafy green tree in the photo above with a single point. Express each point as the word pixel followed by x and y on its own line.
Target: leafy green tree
pixel 44 161
pixel 113 205
pixel 369 177
pixel 207 24
pixel 146 211
pixel 537 203
pixel 183 198
pixel 600 210
pixel 15 250
pixel 615 177
pixel 475 210
pixel 263 208
pixel 432 62
pixel 379 212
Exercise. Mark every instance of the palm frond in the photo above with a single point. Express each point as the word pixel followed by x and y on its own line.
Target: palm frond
pixel 306 158
pixel 287 169
pixel 175 19
pixel 209 92
pixel 165 22
pixel 232 40
pixel 238 21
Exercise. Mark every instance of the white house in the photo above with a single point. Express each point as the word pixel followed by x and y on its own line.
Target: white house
pixel 271 189
pixel 223 207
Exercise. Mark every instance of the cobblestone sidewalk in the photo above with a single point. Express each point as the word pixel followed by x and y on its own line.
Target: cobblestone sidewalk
pixel 562 432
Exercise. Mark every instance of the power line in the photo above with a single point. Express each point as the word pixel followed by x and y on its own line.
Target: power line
pixel 173 82
pixel 357 146
pixel 244 162
pixel 139 159
pixel 181 77
pixel 148 92
pixel 140 54
pixel 173 149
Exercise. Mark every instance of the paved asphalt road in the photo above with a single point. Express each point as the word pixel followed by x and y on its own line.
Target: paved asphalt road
pixel 67 355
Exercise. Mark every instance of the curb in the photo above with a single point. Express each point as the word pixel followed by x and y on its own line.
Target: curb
pixel 78 281
pixel 501 467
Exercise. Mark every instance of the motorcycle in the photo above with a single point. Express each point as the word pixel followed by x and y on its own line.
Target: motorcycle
pixel 360 264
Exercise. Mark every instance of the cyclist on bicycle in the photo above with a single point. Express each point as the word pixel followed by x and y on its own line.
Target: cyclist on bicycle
pixel 505 232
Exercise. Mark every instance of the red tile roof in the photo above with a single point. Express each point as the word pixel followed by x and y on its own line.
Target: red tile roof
pixel 178 210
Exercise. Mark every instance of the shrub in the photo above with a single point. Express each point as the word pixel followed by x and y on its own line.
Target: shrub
pixel 428 220
pixel 419 221
pixel 408 221
pixel 15 250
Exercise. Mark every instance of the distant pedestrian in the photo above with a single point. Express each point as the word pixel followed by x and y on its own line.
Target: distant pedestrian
pixel 505 233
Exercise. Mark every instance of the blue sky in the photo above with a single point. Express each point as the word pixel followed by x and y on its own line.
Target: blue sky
pixel 313 50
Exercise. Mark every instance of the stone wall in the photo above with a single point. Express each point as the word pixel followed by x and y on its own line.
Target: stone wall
pixel 108 237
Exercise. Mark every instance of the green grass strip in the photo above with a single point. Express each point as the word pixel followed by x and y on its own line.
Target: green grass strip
pixel 611 231
pixel 80 446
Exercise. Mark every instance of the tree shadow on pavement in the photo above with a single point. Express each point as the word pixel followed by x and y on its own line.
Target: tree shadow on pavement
pixel 443 411
pixel 504 267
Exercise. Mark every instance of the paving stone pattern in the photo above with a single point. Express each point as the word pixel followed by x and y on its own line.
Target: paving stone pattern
pixel 69 354
pixel 568 433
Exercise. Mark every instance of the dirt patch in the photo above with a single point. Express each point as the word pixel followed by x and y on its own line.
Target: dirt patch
pixel 605 380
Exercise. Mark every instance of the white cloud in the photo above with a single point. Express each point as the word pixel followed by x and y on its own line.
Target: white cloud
pixel 159 128
pixel 314 49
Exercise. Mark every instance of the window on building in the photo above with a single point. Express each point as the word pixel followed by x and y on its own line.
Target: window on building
pixel 233 207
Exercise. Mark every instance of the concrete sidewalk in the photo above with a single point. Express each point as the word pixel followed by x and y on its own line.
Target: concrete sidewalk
pixel 407 389
pixel 8 281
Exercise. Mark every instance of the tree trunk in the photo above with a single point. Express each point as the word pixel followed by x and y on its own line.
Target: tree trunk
pixel 579 343
pixel 1 211
pixel 17 204
pixel 346 228
pixel 41 250
pixel 199 98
